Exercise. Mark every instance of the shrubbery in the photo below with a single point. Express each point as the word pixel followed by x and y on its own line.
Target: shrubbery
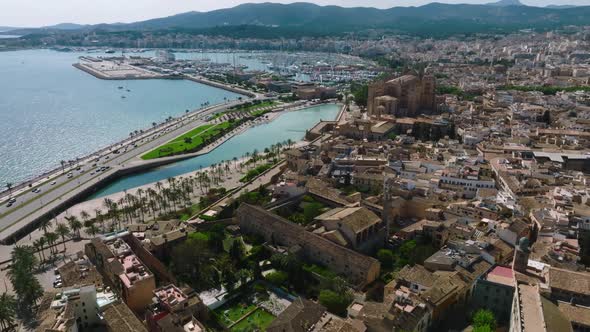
pixel 277 278
pixel 336 303
pixel 253 173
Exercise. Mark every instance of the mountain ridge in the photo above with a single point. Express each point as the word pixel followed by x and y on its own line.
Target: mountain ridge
pixel 434 18
pixel 505 3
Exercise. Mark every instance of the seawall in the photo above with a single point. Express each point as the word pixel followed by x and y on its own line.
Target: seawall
pixel 101 76
pixel 200 80
pixel 220 86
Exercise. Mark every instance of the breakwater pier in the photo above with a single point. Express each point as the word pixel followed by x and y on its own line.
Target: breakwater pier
pixel 138 69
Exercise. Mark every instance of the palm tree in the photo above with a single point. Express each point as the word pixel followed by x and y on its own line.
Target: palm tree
pixel 41 242
pixel 109 204
pixel 115 214
pixel 38 248
pixel 92 230
pixel 45 225
pixel 140 192
pixel 255 156
pixel 85 216
pixel 22 276
pixel 51 238
pixel 143 208
pixel 63 231
pixel 7 311
pixel 123 209
pixel 99 218
pixel 75 225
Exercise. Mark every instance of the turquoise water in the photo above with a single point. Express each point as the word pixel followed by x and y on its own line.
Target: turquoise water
pixel 287 126
pixel 51 111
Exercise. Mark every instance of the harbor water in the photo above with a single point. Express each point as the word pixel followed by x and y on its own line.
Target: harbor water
pixel 51 111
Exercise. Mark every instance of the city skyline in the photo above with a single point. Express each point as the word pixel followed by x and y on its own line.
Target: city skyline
pixel 60 11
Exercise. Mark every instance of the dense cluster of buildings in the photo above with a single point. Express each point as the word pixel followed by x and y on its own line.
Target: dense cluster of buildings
pixel 496 183
pixel 487 184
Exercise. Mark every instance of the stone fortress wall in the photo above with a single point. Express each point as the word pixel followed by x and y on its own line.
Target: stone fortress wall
pixel 359 269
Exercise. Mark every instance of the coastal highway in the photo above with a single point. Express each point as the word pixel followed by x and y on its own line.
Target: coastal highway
pixel 30 205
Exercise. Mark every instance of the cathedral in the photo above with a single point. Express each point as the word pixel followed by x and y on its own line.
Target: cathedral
pixel 405 96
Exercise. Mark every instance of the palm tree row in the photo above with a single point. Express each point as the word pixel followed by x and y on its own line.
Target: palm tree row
pixel 164 199
pixel 63 231
pixel 50 239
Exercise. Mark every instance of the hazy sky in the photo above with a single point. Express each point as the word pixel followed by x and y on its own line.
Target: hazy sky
pixel 32 13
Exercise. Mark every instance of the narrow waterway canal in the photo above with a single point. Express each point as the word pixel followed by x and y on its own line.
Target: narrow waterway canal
pixel 290 125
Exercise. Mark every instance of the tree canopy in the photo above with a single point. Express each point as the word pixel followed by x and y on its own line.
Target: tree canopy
pixel 22 276
pixel 484 320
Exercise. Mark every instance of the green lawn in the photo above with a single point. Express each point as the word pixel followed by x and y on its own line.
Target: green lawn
pixel 259 320
pixel 195 137
pixel 232 311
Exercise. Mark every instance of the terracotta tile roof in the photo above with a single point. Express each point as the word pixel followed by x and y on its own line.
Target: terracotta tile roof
pixel 298 317
pixel 357 218
pixel 575 282
pixel 575 313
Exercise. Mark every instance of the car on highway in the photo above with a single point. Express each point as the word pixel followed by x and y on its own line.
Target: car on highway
pixel 36 190
pixel 70 175
pixel 8 205
pixel 53 183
